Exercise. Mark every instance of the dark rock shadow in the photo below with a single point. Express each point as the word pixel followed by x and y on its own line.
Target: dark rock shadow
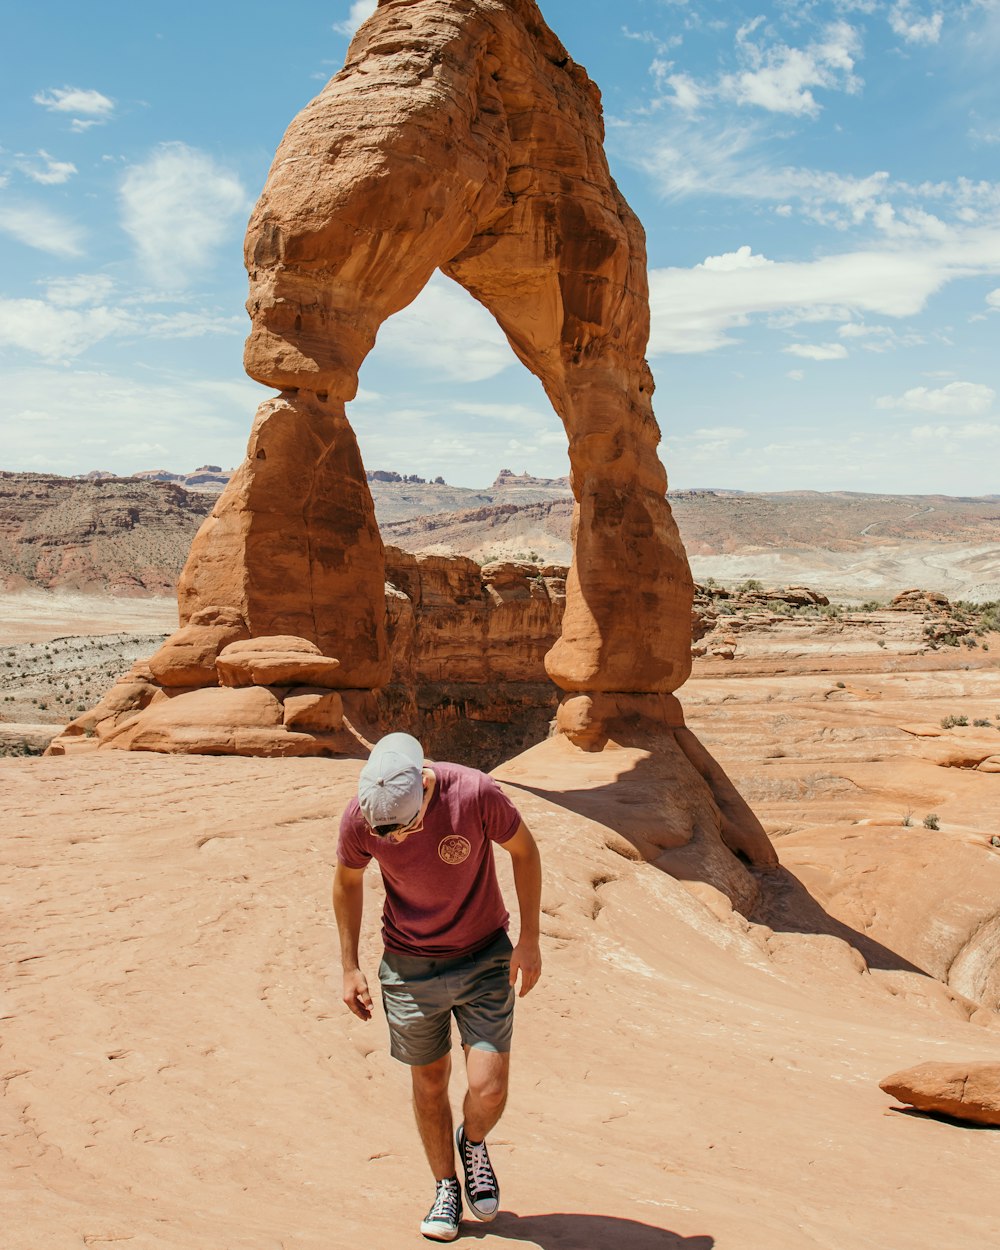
pixel 562 1230
pixel 631 807
pixel 941 1118
pixel 786 906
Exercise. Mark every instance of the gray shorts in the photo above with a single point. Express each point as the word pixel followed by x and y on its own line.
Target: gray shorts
pixel 421 995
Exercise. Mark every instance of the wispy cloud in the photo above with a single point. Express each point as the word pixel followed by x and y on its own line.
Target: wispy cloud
pixel 89 419
pixel 90 107
pixel 46 170
pixel 40 228
pixel 781 79
pixel 80 313
pixel 913 27
pixel 817 351
pixel 957 399
pixel 178 207
pixel 696 309
pixel 52 332
pixel 445 331
pixel 361 11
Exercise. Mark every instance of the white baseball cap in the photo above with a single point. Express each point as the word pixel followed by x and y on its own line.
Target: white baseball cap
pixel 391 785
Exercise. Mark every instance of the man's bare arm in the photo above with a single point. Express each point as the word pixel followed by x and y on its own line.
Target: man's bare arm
pixel 527 863
pixel 348 907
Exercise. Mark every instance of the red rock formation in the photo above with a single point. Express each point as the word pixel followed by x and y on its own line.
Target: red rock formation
pixel 967 1091
pixel 459 137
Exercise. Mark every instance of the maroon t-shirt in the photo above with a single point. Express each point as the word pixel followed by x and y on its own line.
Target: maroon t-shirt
pixel 442 899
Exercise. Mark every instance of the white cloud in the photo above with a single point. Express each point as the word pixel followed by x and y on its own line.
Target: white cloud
pixel 178 208
pixel 688 95
pixel 39 228
pixel 361 11
pixel 780 78
pixel 84 288
pixel 694 310
pixel 48 172
pixel 957 399
pixel 993 299
pixel 981 431
pixel 92 104
pixel 795 374
pixel 446 332
pixel 77 316
pixel 818 351
pixel 913 28
pixel 102 420
pixel 55 333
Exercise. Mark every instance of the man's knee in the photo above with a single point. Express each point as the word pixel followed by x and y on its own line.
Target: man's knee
pixel 488 1078
pixel 430 1080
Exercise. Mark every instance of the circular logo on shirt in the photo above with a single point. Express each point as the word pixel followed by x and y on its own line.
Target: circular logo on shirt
pixel 454 849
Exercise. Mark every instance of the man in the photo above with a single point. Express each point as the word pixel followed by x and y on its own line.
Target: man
pixel 431 827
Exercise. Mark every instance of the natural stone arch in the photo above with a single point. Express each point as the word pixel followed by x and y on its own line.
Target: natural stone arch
pixel 461 136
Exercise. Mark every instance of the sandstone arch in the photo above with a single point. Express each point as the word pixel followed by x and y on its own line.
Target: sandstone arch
pixel 461 136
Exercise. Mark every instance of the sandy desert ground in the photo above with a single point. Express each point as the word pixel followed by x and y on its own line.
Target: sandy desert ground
pixel 179 1073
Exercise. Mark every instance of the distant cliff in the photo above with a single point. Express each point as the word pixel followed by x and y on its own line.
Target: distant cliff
pixel 109 535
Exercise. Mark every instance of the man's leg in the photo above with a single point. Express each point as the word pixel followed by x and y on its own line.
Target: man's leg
pixel 488 1074
pixel 433 1113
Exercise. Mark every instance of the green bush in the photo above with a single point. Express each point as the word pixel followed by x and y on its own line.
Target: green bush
pixel 931 821
pixel 950 722
pixel 982 723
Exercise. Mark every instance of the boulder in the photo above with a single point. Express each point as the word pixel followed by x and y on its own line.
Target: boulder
pixel 188 656
pixel 281 660
pixel 966 1091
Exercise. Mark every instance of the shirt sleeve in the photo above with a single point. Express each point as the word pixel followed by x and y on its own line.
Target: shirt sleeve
pixel 499 815
pixel 351 851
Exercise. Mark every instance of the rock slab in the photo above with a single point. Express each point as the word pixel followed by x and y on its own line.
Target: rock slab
pixel 967 1091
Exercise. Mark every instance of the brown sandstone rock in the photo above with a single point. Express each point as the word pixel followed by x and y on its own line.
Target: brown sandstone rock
pixel 462 138
pixel 277 661
pixel 313 709
pixel 188 656
pixel 223 721
pixel 967 1091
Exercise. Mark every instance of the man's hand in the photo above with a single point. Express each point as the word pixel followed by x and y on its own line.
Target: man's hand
pixel 356 996
pixel 526 958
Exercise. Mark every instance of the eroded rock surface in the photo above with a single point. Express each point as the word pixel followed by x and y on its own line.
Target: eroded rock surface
pixel 461 138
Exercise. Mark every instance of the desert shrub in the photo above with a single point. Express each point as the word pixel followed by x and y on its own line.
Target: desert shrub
pixel 932 821
pixel 880 642
pixel 841 686
pixel 982 723
pixel 751 584
pixel 907 820
pixel 871 605
pixel 950 722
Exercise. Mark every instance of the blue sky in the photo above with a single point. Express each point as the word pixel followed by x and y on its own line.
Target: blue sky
pixel 818 183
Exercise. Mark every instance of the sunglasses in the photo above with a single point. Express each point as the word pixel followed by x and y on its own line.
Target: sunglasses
pixel 387 831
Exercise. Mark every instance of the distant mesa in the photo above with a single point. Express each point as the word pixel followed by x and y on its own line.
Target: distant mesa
pixel 506 479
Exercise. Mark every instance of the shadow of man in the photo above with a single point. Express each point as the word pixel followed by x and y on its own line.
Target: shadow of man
pixel 563 1230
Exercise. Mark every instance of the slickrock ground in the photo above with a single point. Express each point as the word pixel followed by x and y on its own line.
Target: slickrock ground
pixel 179 1072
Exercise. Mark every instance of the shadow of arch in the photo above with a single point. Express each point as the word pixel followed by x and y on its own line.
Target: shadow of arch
pixel 461 138
pixel 560 1230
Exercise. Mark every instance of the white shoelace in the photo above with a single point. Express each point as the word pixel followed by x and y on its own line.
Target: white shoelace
pixel 478 1163
pixel 445 1202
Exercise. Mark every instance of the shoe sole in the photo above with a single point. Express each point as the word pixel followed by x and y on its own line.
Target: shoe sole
pixel 444 1236
pixel 492 1215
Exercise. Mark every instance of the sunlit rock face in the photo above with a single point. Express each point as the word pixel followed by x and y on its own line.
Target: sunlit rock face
pixel 460 138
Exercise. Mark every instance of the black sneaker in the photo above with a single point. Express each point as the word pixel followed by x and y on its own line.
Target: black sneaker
pixel 481 1186
pixel 441 1221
